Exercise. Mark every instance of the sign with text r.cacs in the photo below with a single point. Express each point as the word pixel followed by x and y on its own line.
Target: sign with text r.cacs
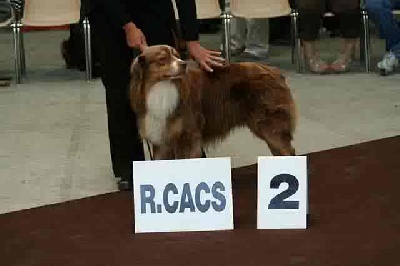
pixel 182 195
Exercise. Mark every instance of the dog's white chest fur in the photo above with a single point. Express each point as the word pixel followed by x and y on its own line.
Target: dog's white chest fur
pixel 162 100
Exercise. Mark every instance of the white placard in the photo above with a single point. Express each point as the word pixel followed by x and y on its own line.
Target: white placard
pixel 282 192
pixel 183 195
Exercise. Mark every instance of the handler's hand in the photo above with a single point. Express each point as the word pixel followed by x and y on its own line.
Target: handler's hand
pixel 134 36
pixel 207 59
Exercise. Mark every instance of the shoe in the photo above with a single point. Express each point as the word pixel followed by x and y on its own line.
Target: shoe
pixel 256 51
pixel 388 64
pixel 317 65
pixel 70 62
pixel 235 50
pixel 5 83
pixel 126 181
pixel 341 65
pixel 124 185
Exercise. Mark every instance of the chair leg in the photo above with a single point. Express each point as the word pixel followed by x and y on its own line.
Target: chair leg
pixel 23 58
pixel 297 42
pixel 227 36
pixel 366 47
pixel 88 48
pixel 16 27
pixel 292 42
pixel 362 48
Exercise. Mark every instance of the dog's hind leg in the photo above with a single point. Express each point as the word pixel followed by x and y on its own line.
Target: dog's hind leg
pixel 279 142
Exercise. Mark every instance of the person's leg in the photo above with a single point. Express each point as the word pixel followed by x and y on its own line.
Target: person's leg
pixel 310 14
pixel 349 23
pixel 257 38
pixel 280 31
pixel 380 12
pixel 125 143
pixel 238 35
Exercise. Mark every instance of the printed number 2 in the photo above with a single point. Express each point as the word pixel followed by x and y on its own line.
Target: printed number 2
pixel 278 202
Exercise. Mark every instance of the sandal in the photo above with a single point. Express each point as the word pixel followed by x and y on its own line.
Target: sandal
pixel 343 62
pixel 315 63
pixel 341 65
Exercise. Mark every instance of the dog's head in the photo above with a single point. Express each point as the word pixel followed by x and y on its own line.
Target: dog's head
pixel 157 63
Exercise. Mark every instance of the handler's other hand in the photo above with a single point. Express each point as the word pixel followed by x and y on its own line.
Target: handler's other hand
pixel 207 59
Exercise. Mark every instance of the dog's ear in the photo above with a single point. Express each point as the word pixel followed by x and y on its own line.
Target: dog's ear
pixel 135 87
pixel 137 66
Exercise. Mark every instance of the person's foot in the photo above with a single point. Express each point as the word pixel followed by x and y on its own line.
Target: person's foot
pixel 315 63
pixel 4 83
pixel 235 50
pixel 343 62
pixel 388 64
pixel 124 185
pixel 126 180
pixel 256 51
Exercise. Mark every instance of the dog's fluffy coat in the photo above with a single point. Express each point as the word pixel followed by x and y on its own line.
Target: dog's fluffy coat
pixel 180 109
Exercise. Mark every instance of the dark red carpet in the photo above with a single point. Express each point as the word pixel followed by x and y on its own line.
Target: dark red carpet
pixel 355 220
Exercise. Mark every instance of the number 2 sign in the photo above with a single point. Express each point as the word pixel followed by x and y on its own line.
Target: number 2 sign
pixel 282 192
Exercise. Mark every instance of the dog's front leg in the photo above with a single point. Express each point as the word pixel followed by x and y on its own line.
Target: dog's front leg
pixel 163 152
pixel 188 147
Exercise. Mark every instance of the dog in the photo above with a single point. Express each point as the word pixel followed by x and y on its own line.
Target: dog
pixel 181 109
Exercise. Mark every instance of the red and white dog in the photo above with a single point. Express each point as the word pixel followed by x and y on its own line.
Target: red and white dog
pixel 181 109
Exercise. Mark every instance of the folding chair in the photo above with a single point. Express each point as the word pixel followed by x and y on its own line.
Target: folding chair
pixel 46 13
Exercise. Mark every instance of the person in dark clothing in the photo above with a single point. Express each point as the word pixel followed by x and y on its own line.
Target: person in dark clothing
pixel 310 17
pixel 122 29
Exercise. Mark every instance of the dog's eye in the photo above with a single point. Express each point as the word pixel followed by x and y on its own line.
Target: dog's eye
pixel 162 60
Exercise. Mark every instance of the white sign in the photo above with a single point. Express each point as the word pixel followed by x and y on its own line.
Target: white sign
pixel 183 195
pixel 282 192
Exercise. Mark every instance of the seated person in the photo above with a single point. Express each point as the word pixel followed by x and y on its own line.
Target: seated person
pixel 380 12
pixel 310 18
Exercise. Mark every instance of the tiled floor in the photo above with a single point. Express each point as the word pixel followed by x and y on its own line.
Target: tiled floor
pixel 53 135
